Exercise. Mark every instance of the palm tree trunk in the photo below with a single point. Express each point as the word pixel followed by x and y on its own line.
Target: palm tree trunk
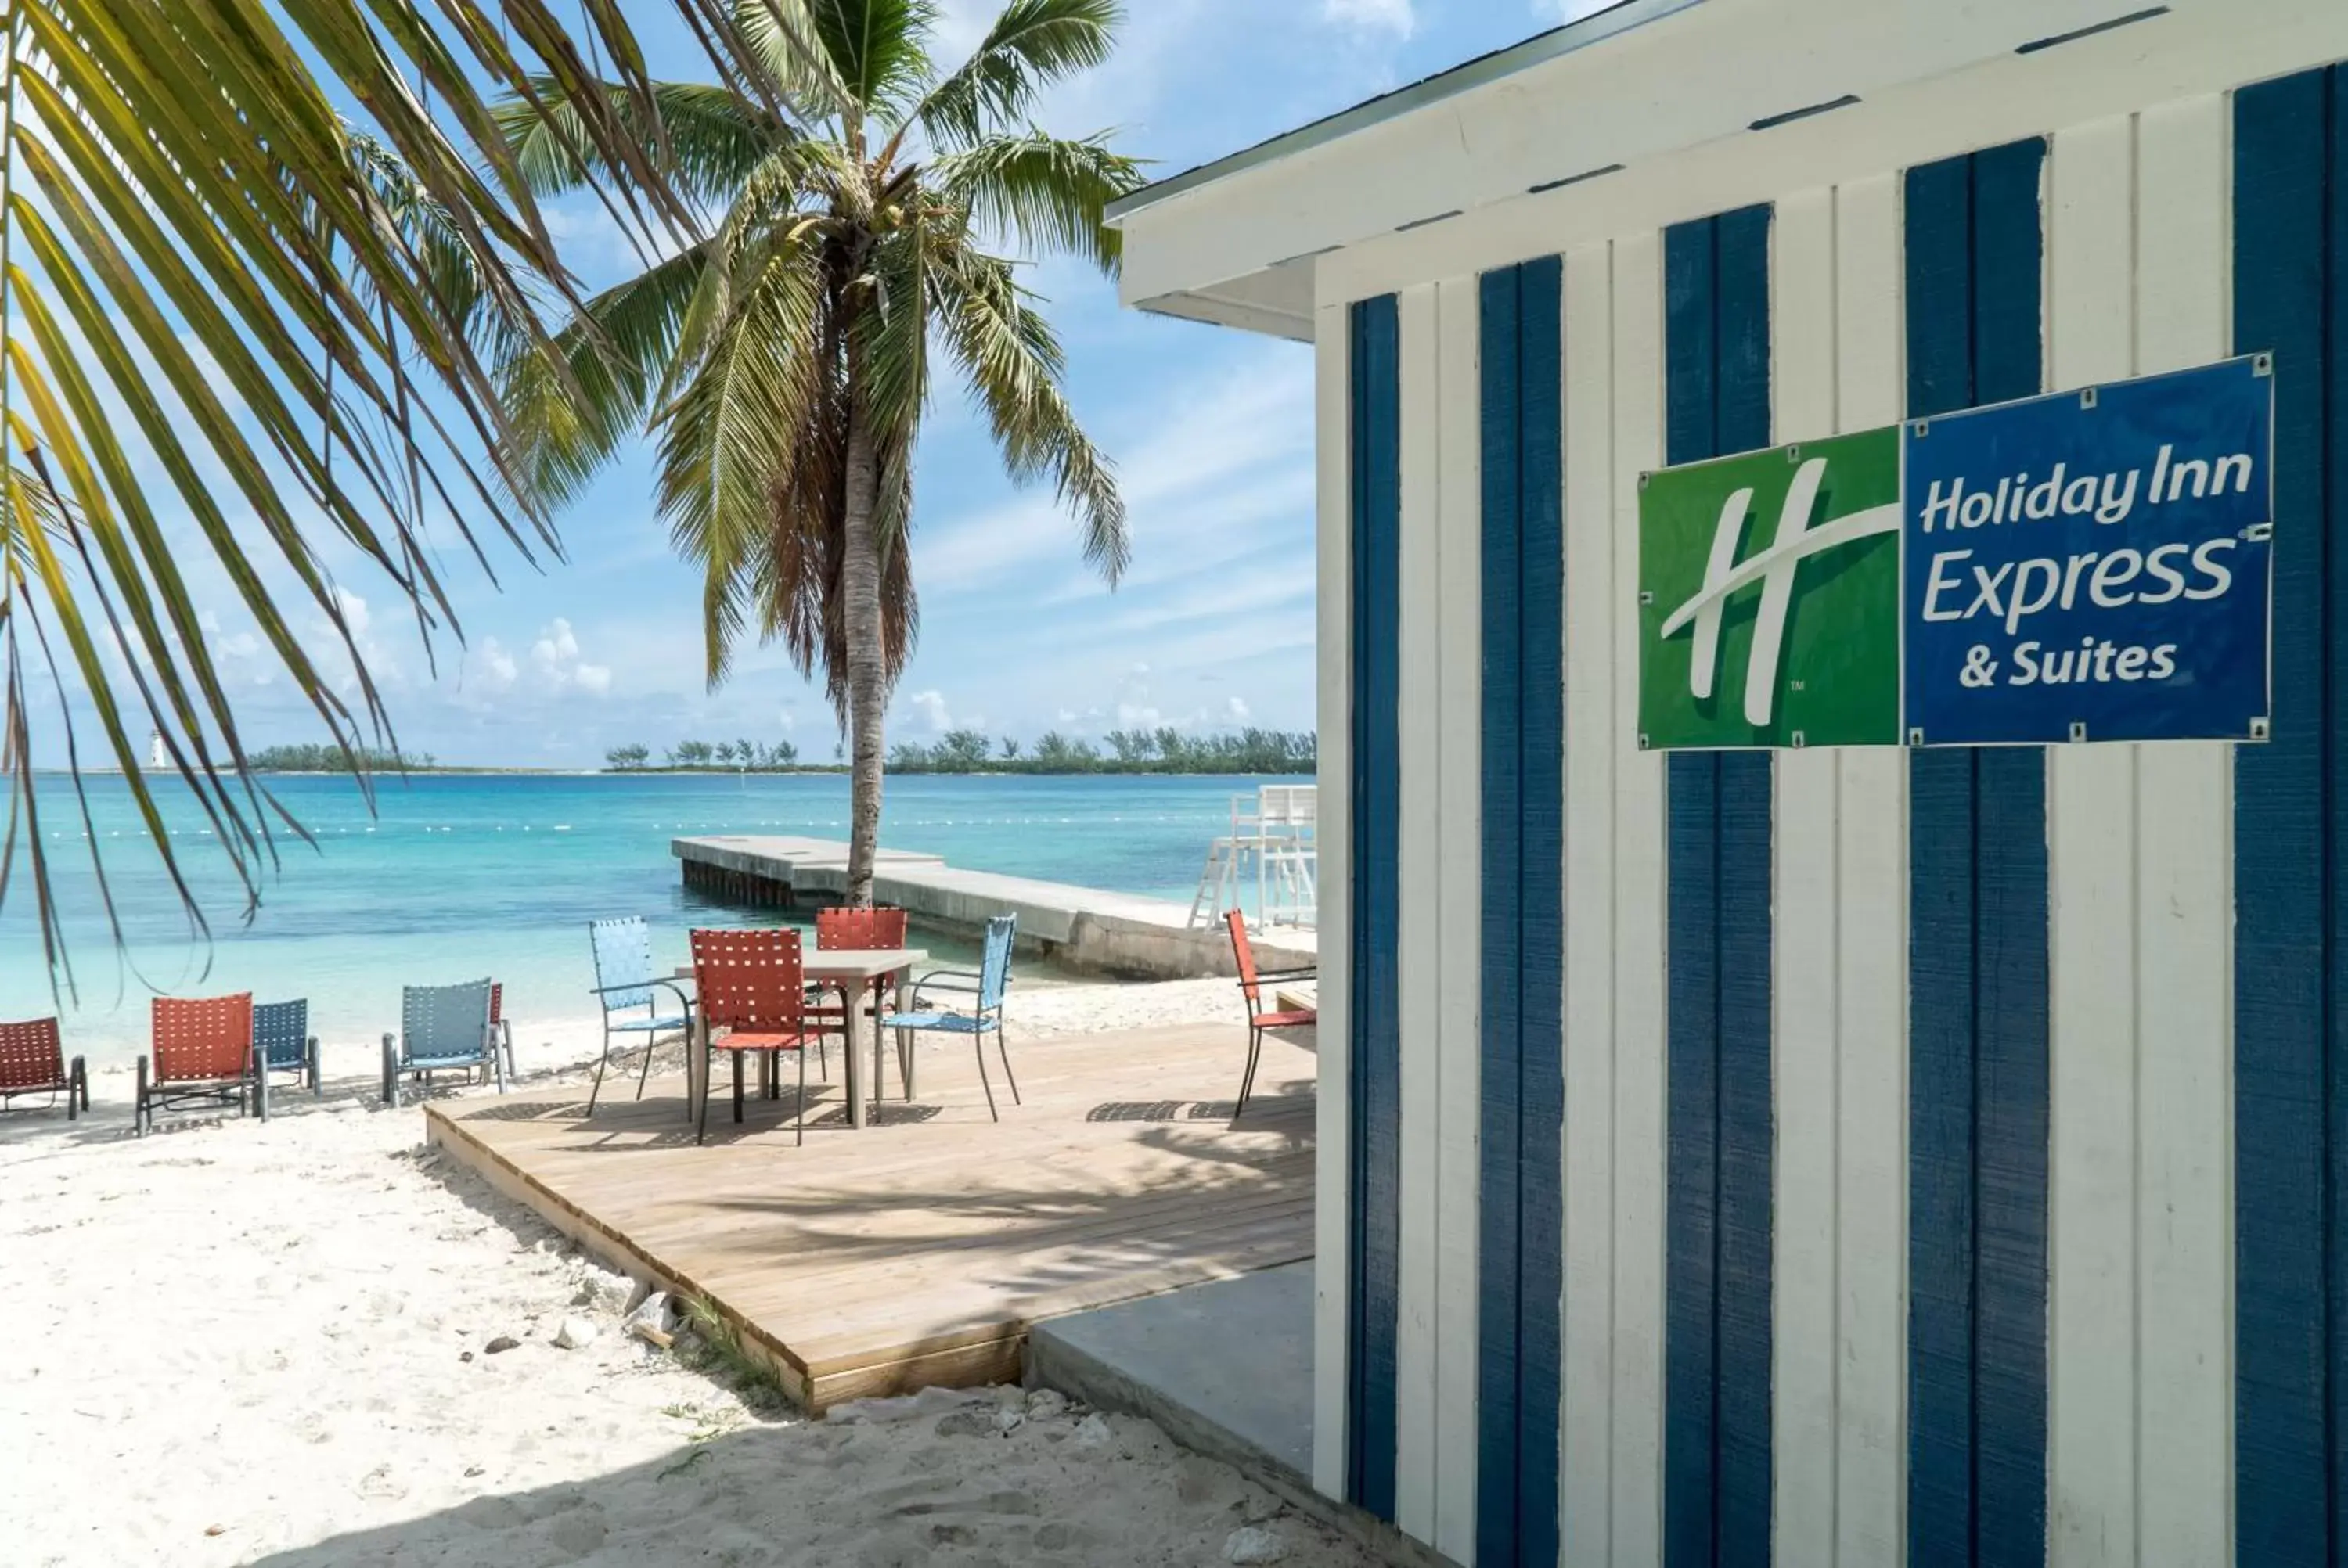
pixel 860 582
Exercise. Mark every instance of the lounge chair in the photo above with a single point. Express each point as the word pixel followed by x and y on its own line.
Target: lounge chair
pixel 33 1062
pixel 852 928
pixel 203 1054
pixel 624 984
pixel 281 1035
pixel 441 1027
pixel 1251 984
pixel 753 987
pixel 979 1013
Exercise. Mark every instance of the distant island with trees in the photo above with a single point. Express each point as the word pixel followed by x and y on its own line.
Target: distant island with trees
pixel 1161 750
pixel 966 750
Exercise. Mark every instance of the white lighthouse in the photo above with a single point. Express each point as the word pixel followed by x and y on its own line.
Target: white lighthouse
pixel 157 757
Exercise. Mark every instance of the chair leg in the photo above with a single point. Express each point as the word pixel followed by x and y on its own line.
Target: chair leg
pixel 1002 1048
pixel 646 1072
pixel 801 1142
pixel 1247 1082
pixel 697 1110
pixel 602 1058
pixel 978 1044
pixel 139 1115
pixel 737 1086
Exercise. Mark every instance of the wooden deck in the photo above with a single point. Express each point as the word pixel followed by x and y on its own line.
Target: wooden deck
pixel 918 1250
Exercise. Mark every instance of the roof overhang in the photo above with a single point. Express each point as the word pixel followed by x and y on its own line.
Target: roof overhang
pixel 1655 110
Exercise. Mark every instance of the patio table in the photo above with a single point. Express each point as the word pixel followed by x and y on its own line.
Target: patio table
pixel 853 969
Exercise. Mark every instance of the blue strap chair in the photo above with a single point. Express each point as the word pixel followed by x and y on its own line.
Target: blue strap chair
pixel 282 1037
pixel 625 984
pixel 441 1027
pixel 978 1013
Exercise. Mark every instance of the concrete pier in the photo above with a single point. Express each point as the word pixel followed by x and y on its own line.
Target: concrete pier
pixel 1085 928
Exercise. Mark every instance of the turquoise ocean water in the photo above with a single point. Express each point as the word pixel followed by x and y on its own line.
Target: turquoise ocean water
pixel 456 876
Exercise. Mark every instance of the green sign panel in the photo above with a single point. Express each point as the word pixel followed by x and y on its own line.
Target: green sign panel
pixel 1769 598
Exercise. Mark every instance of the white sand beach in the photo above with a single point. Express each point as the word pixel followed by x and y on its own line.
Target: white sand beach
pixel 240 1343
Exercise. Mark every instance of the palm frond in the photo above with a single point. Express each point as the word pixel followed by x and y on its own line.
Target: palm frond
pixel 1033 44
pixel 1011 362
pixel 258 266
pixel 1047 191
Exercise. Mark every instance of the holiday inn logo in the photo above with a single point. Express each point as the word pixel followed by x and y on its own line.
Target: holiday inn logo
pixel 1769 598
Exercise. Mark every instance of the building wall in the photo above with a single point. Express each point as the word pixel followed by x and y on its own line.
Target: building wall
pixel 1909 1235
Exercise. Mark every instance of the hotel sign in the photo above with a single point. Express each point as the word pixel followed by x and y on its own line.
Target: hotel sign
pixel 2089 566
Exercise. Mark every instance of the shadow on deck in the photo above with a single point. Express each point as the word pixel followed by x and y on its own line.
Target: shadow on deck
pixel 919 1250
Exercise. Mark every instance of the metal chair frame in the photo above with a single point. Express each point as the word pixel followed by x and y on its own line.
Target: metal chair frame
pixel 437 1034
pixel 33 1062
pixel 849 926
pixel 202 1053
pixel 753 986
pixel 986 986
pixel 1260 1023
pixel 283 1044
pixel 624 979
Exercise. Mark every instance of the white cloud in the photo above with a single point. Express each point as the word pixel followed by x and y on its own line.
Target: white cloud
pixel 1193 484
pixel 931 706
pixel 354 611
pixel 493 667
pixel 1236 711
pixel 556 658
pixel 1372 15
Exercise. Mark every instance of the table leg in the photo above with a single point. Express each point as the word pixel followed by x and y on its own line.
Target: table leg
pixel 849 1046
pixel 907 1049
pixel 880 1070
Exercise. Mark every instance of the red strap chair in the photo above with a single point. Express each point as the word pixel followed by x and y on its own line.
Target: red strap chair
pixel 753 987
pixel 33 1062
pixel 849 928
pixel 203 1054
pixel 1251 984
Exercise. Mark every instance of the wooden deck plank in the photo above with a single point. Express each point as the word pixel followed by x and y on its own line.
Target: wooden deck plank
pixel 920 1249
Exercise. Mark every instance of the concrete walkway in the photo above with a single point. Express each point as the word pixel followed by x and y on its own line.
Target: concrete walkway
pixel 1119 934
pixel 1225 1368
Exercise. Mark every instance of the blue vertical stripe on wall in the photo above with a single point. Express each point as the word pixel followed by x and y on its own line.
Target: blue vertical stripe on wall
pixel 1977 954
pixel 1718 1465
pixel 1375 1046
pixel 2290 1098
pixel 1521 1258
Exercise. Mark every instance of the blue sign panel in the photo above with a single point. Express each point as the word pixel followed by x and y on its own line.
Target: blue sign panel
pixel 2092 566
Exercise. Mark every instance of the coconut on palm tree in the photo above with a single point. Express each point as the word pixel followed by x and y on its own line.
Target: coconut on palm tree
pixel 784 360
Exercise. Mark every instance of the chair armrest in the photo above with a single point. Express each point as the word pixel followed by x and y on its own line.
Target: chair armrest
pixel 1304 974
pixel 669 986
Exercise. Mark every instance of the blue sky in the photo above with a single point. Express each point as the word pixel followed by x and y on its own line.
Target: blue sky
pixel 1211 431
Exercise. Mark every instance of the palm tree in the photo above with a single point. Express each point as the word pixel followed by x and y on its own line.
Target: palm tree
pixel 784 360
pixel 242 249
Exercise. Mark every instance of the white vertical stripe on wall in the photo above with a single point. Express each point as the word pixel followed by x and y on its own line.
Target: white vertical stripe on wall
pixel 1417 870
pixel 1840 1369
pixel 2091 857
pixel 1807 957
pixel 1594 731
pixel 1334 529
pixel 2185 813
pixel 2140 841
pixel 1870 1435
pixel 1636 1409
pixel 1459 944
